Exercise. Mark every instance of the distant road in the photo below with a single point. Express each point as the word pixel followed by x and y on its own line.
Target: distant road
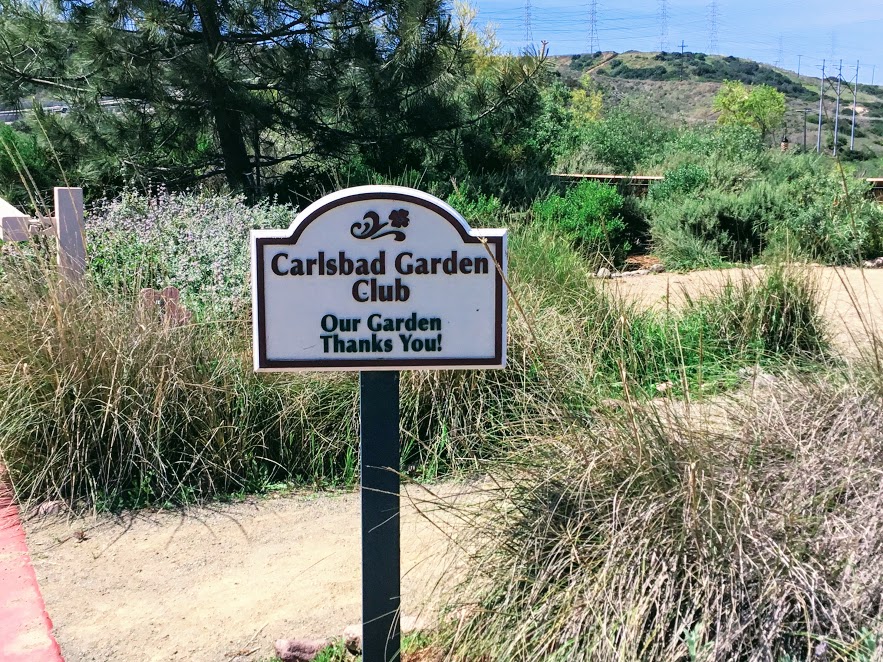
pixel 10 116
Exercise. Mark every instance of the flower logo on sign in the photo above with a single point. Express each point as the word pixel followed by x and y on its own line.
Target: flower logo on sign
pixel 370 227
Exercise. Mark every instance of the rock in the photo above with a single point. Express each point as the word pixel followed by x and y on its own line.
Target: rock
pixel 352 634
pixel 51 508
pixel 299 650
pixel 657 268
pixel 664 387
pixel 412 624
pixel 352 637
pixel 603 272
pixel 636 272
pixel 759 267
pixel 757 376
pixel 876 263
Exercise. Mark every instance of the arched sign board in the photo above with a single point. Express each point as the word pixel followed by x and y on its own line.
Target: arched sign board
pixel 379 278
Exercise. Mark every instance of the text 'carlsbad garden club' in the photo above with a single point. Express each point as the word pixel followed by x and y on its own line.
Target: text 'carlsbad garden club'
pixel 371 289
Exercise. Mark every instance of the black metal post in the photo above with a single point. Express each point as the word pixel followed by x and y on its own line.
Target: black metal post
pixel 381 580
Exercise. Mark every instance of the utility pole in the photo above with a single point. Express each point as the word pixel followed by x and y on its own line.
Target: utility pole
pixel 683 46
pixel 805 111
pixel 799 57
pixel 873 72
pixel 837 107
pixel 821 110
pixel 594 42
pixel 854 104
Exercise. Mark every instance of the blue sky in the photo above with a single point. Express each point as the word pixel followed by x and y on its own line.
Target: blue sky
pixel 765 30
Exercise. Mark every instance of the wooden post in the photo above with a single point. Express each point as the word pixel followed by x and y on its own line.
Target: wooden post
pixel 69 230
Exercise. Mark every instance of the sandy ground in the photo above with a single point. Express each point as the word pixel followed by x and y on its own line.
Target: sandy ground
pixel 224 582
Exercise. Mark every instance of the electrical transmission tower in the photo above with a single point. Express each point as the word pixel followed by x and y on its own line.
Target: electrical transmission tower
pixel 712 27
pixel 663 25
pixel 528 31
pixel 780 54
pixel 594 43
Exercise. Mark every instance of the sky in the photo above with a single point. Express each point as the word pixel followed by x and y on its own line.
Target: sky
pixel 772 31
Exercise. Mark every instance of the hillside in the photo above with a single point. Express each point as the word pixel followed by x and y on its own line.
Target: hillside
pixel 682 87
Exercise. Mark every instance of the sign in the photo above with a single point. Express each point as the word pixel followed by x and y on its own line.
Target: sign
pixel 379 278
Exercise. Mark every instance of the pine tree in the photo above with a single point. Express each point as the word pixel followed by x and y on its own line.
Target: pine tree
pixel 179 90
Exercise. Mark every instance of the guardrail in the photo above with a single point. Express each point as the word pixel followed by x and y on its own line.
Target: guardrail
pixel 633 184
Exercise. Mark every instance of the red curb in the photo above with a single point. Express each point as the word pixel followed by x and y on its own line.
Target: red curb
pixel 25 628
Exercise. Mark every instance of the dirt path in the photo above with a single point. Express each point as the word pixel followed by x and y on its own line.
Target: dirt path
pixel 852 298
pixel 223 583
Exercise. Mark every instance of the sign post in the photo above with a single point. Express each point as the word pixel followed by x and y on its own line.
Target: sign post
pixel 379 424
pixel 379 279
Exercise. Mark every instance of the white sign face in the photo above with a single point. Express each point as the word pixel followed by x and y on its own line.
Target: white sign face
pixel 378 278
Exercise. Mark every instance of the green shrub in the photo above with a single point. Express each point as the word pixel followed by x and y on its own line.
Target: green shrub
pixel 831 217
pixel 685 179
pixel 624 140
pixel 752 321
pixel 604 346
pixel 705 228
pixel 708 211
pixel 777 313
pixel 589 215
pixel 478 209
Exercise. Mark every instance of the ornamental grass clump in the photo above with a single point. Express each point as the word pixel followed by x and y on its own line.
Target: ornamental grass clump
pixel 106 403
pixel 661 532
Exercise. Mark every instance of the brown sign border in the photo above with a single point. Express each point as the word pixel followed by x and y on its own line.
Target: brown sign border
pixel 497 242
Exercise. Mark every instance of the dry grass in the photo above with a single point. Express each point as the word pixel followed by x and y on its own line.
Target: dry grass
pixel 651 536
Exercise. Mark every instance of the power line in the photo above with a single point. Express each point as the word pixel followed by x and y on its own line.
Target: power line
pixel 594 43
